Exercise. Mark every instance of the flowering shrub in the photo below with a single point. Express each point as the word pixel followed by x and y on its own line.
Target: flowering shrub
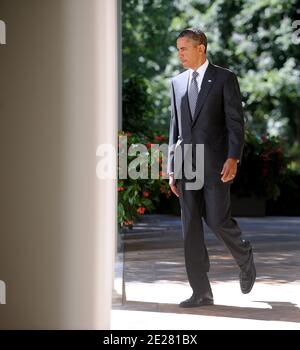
pixel 263 165
pixel 261 171
pixel 138 196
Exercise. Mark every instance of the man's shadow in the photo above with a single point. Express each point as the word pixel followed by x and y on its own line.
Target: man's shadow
pixel 279 311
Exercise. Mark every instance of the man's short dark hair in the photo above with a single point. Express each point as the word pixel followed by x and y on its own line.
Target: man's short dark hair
pixel 194 34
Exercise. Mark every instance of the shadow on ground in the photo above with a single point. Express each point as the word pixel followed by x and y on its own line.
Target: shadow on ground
pixel 153 254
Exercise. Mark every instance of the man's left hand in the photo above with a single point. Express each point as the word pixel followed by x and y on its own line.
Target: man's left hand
pixel 229 170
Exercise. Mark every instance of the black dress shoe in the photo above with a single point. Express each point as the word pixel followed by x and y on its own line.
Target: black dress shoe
pixel 248 275
pixel 197 300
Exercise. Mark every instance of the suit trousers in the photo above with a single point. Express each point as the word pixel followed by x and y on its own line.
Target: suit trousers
pixel 212 203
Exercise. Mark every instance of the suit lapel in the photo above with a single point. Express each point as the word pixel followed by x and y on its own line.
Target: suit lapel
pixel 183 93
pixel 207 83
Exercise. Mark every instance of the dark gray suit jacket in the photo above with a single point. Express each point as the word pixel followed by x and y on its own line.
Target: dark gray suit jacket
pixel 218 121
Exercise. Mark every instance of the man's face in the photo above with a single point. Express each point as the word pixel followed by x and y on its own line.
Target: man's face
pixel 190 53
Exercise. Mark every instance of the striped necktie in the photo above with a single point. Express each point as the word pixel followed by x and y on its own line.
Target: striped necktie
pixel 193 93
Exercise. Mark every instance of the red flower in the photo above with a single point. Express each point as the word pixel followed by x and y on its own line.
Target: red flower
pixel 159 137
pixel 141 210
pixel 265 172
pixel 148 144
pixel 264 138
pixel 128 222
pixel 121 188
pixel 146 194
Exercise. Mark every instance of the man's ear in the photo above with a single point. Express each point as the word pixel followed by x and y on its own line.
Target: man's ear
pixel 202 48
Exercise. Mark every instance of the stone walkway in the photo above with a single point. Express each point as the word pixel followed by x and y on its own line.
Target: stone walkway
pixel 152 266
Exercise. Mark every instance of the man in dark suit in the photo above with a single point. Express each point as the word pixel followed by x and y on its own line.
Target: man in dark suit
pixel 206 109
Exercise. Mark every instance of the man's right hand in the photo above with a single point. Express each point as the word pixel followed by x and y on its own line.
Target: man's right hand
pixel 172 185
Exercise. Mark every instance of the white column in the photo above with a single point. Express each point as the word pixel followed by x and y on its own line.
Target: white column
pixel 120 77
pixel 58 102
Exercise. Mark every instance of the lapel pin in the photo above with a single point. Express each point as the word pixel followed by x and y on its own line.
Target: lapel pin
pixel 209 81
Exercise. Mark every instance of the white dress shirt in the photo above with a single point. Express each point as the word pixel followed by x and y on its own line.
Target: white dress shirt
pixel 201 70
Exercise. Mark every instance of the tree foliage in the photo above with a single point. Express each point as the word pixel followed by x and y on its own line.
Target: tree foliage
pixel 146 36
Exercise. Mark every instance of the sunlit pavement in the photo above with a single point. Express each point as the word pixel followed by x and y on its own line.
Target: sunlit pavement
pixel 155 280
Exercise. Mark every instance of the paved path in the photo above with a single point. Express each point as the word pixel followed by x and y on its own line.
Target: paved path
pixel 155 278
